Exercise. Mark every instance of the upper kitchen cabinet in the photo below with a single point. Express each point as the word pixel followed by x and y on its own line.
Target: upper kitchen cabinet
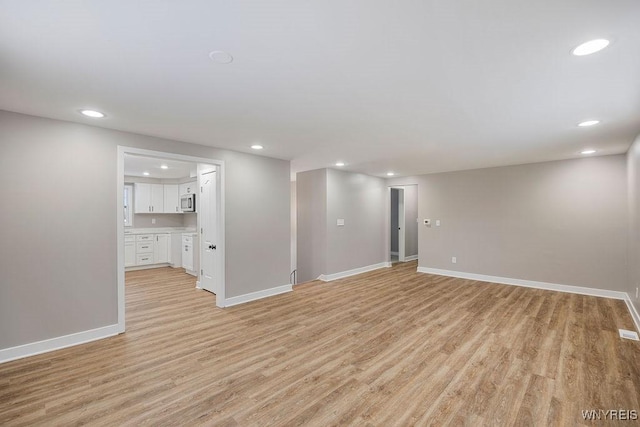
pixel 149 198
pixel 189 188
pixel 172 198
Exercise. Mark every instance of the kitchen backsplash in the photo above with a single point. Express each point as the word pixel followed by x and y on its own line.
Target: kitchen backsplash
pixel 162 220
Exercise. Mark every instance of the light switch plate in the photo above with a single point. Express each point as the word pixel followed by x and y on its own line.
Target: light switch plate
pixel 340 222
pixel 437 223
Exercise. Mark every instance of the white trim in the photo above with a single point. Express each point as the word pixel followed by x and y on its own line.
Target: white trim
pixel 45 346
pixel 241 299
pixel 527 283
pixel 147 266
pixel 342 274
pixel 411 258
pixel 633 312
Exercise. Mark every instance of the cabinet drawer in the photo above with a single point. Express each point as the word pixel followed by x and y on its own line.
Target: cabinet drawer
pixel 144 237
pixel 128 239
pixel 144 247
pixel 142 259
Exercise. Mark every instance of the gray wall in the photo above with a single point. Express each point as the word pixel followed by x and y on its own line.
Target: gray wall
pixel 323 196
pixel 395 219
pixel 360 200
pixel 58 253
pixel 562 222
pixel 311 213
pixel 633 170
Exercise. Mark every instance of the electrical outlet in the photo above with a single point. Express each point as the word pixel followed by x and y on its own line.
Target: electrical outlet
pixel 454 260
pixel 637 292
pixel 153 220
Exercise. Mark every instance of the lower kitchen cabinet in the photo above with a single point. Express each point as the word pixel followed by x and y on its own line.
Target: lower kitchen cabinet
pixel 147 249
pixel 129 251
pixel 161 248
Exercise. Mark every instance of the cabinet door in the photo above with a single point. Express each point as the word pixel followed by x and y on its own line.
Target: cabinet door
pixel 129 254
pixel 161 249
pixel 187 253
pixel 188 188
pixel 157 198
pixel 142 198
pixel 171 199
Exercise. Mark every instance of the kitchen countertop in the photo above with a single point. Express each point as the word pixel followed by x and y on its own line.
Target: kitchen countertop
pixel 159 230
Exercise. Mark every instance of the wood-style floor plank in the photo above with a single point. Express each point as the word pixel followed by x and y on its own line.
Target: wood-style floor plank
pixel 389 347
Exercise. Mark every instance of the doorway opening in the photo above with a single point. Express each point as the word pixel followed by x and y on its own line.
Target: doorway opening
pixel 403 224
pixel 173 209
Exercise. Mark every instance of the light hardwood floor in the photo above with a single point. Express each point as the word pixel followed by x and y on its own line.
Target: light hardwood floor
pixel 390 347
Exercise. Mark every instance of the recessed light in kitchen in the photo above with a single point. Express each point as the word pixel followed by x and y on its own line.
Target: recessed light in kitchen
pixel 145 173
pixel 257 147
pixel 221 57
pixel 588 123
pixel 390 173
pixel 92 113
pixel 339 163
pixel 588 152
pixel 590 47
pixel 164 167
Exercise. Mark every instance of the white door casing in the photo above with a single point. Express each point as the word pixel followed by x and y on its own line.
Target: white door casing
pixel 401 226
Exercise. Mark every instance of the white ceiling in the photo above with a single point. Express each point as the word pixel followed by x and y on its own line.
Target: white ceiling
pixel 410 86
pixel 138 165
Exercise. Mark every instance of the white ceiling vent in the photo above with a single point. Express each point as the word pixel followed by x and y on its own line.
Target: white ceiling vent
pixel 630 335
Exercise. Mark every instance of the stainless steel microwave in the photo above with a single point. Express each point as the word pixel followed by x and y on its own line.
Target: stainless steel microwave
pixel 188 202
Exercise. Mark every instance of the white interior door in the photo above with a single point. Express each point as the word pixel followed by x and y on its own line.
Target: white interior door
pixel 401 225
pixel 208 233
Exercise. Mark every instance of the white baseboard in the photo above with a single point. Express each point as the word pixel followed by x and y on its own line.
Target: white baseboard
pixel 147 266
pixel 527 283
pixel 57 343
pixel 343 274
pixel 411 258
pixel 241 299
pixel 634 312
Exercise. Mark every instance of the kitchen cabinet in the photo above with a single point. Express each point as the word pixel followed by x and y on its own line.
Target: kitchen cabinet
pixel 148 198
pixel 129 251
pixel 144 249
pixel 172 198
pixel 147 249
pixel 161 248
pixel 189 188
pixel 190 253
pixel 187 252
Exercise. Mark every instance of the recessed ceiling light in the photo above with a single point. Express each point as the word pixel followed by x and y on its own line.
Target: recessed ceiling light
pixel 590 47
pixel 588 152
pixel 145 173
pixel 339 163
pixel 92 113
pixel 588 123
pixel 257 147
pixel 390 173
pixel 164 167
pixel 221 57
